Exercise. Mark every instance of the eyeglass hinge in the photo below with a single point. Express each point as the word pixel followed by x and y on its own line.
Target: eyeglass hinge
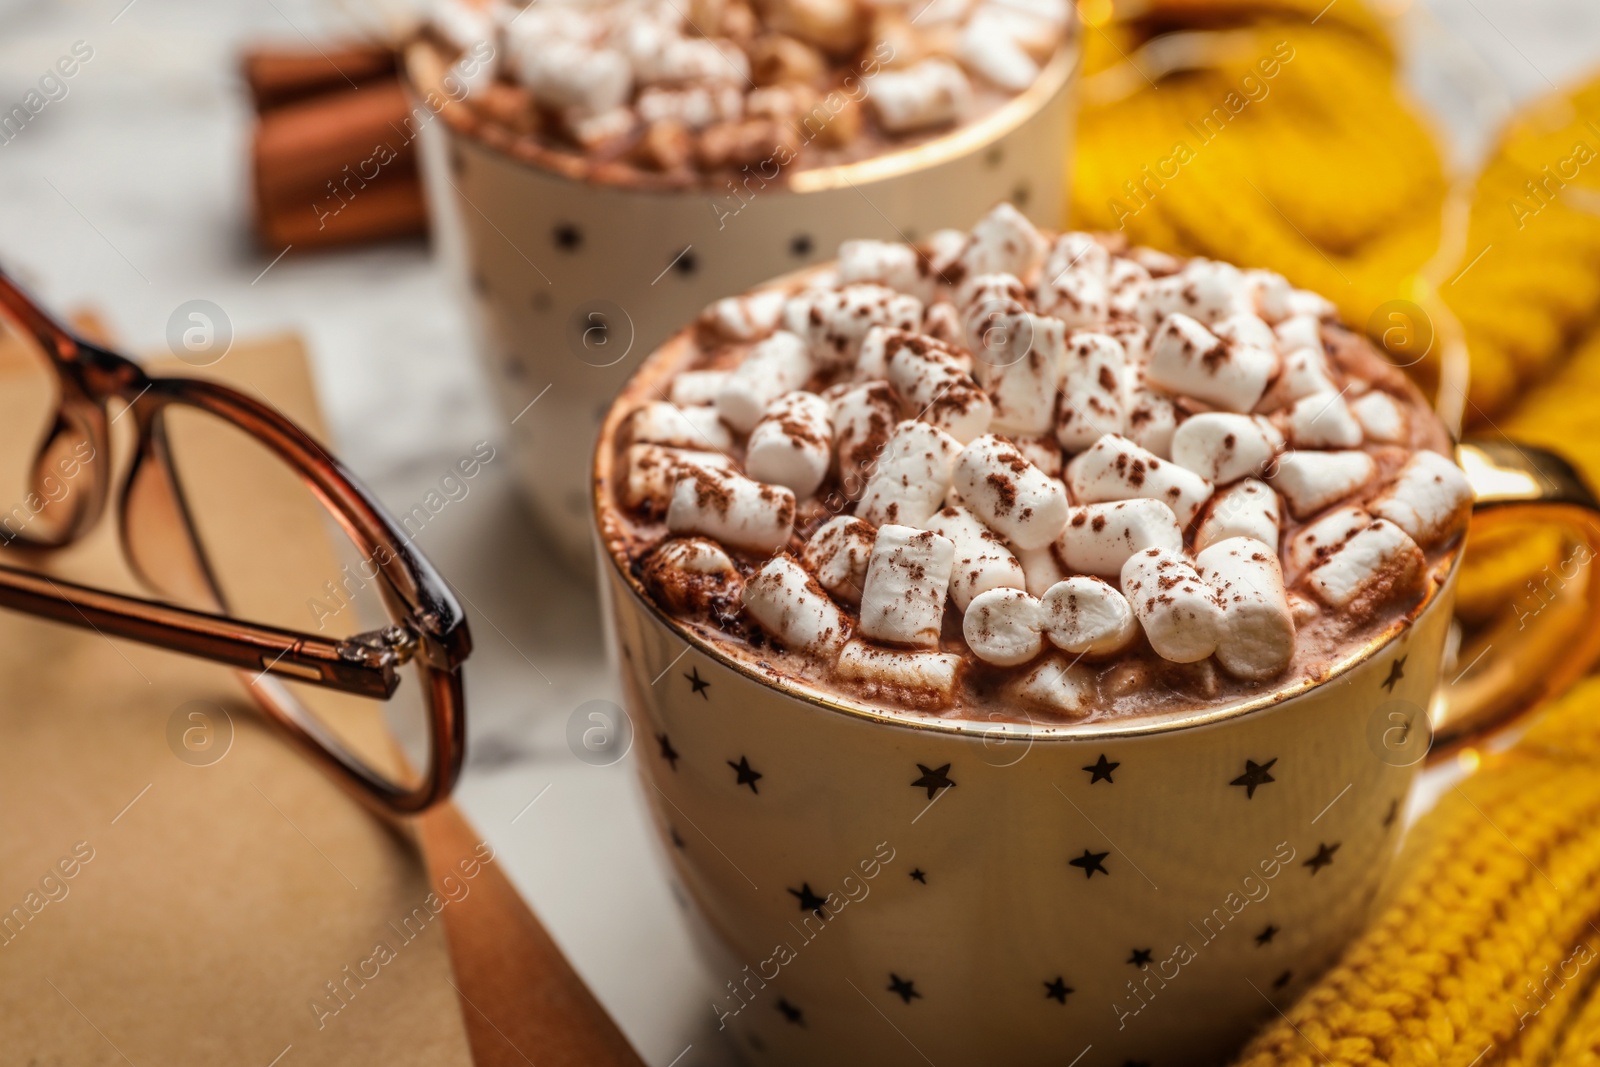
pixel 392 646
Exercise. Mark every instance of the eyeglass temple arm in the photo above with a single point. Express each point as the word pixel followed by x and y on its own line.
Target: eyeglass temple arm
pixel 364 664
pixel 59 343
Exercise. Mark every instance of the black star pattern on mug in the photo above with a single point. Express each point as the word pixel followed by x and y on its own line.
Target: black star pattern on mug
pixel 1323 857
pixel 800 245
pixel 668 753
pixel 686 263
pixel 479 284
pixel 1266 935
pixel 1141 957
pixel 746 775
pixel 1255 775
pixel 1282 979
pixel 994 156
pixel 677 838
pixel 1397 671
pixel 919 875
pixel 540 301
pixel 933 779
pixel 1091 862
pixel 567 237
pixel 790 1012
pixel 1100 770
pixel 700 685
pixel 1057 990
pixel 1020 195
pixel 904 988
pixel 1394 809
pixel 810 903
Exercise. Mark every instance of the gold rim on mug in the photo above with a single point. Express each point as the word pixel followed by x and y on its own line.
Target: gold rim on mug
pixel 1509 482
pixel 424 71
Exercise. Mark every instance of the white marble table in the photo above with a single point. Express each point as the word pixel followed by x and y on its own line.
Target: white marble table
pixel 129 194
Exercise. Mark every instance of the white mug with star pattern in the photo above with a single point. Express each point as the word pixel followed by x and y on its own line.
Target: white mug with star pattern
pixel 570 284
pixel 871 889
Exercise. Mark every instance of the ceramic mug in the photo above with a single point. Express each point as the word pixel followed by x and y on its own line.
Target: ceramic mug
pixel 875 889
pixel 571 282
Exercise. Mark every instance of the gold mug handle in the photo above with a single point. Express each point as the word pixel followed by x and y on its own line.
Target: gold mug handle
pixel 1514 664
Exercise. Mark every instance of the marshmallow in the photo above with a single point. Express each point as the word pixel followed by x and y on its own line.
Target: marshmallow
pixel 1179 612
pixel 932 383
pixel 832 322
pixel 1042 452
pixel 942 322
pixel 1322 420
pixel 1092 376
pixel 890 263
pixel 692 574
pixel 902 601
pixel 1134 339
pixel 1299 331
pixel 930 93
pixel 1244 328
pixel 1099 538
pixel 1204 290
pixel 1223 447
pixel 931 673
pixel 911 478
pixel 660 423
pixel 1011 495
pixel 1304 302
pixel 731 508
pixel 774 366
pixel 792 445
pixel 1310 481
pixel 1372 566
pixel 566 74
pixel 1382 417
pixel 1056 685
pixel 1088 616
pixel 1312 545
pixel 862 416
pixel 592 130
pixel 1002 627
pixel 988 48
pixel 1127 284
pixel 1024 390
pixel 1004 242
pixel 788 603
pixel 1040 568
pixel 1247 508
pixel 1185 357
pixel 1257 638
pixel 837 555
pixel 1305 373
pixel 1152 419
pixel 982 560
pixel 696 388
pixel 652 470
pixel 746 318
pixel 1117 469
pixel 1075 288
pixel 999 326
pixel 943 248
pixel 1265 294
pixel 695 106
pixel 1430 499
pixel 463 25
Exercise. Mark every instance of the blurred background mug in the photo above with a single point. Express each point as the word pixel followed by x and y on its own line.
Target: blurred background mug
pixel 872 887
pixel 571 282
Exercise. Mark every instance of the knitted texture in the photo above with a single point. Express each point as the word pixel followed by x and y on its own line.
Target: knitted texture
pixel 1487 950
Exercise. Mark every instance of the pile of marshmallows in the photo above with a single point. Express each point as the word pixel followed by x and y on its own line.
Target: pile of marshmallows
pixel 607 66
pixel 954 409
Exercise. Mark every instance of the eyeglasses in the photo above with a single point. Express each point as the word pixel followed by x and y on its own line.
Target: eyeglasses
pixel 428 628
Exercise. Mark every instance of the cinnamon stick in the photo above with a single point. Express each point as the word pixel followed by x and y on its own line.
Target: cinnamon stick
pixel 392 206
pixel 300 148
pixel 278 75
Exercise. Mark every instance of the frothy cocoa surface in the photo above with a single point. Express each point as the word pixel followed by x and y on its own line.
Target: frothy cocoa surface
pixel 752 575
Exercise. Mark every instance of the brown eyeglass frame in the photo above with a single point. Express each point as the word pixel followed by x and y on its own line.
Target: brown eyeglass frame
pixel 161 545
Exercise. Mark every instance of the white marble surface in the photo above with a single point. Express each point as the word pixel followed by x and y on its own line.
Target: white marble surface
pixel 129 195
